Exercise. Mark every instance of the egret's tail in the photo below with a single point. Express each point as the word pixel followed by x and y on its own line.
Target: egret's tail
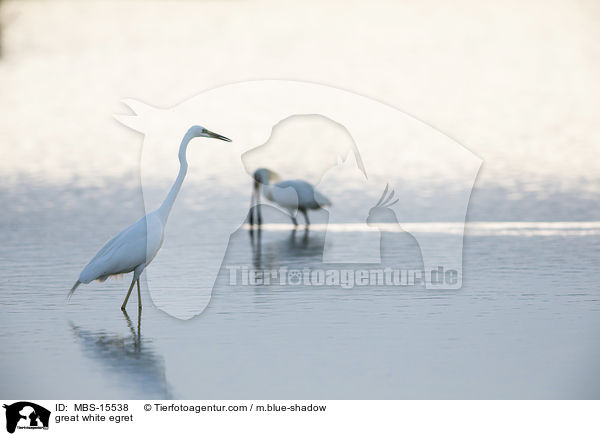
pixel 321 199
pixel 77 283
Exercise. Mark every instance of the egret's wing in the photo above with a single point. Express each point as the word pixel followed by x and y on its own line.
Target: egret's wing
pixel 308 196
pixel 119 255
pixel 284 196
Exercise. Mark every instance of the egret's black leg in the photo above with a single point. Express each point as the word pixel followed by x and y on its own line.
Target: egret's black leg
pixel 294 221
pixel 258 215
pixel 127 296
pixel 305 217
pixel 139 294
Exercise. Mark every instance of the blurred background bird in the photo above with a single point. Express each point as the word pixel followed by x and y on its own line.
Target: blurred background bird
pixel 290 195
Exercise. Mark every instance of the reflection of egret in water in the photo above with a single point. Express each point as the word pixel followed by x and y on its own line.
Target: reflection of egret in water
pixel 292 251
pixel 256 245
pixel 129 358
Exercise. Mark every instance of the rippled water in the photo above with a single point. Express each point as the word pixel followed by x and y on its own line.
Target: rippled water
pixel 525 323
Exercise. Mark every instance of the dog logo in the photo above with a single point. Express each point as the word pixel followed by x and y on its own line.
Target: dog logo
pixel 26 415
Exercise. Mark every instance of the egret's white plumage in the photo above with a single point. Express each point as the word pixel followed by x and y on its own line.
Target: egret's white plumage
pixel 134 247
pixel 292 195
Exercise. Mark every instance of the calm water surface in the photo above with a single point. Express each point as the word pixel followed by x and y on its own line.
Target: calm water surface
pixel 517 87
pixel 525 323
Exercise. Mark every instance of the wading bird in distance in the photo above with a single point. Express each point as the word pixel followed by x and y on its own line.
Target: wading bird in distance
pixel 291 195
pixel 134 247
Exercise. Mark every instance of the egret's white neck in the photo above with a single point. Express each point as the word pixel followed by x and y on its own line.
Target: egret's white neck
pixel 165 208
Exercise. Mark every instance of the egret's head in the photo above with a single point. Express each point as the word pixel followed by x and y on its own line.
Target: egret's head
pixel 196 131
pixel 265 176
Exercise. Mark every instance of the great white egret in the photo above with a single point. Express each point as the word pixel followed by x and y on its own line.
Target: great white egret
pixel 134 247
pixel 291 195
